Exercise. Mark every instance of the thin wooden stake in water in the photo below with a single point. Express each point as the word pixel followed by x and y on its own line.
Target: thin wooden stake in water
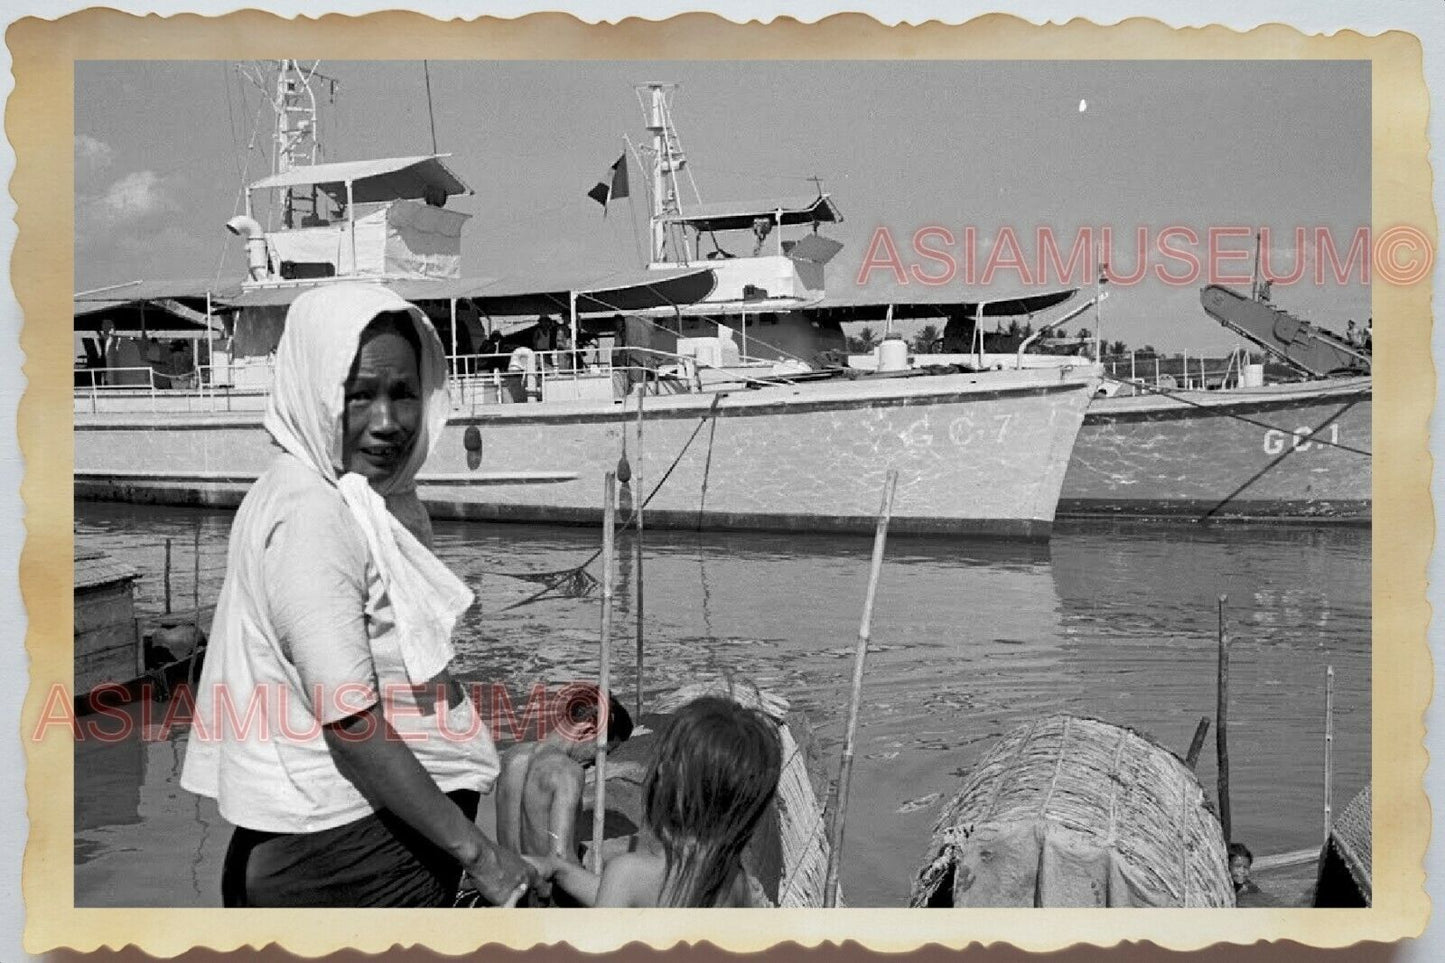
pixel 1196 745
pixel 640 502
pixel 1329 749
pixel 1221 726
pixel 168 576
pixel 865 628
pixel 196 581
pixel 599 806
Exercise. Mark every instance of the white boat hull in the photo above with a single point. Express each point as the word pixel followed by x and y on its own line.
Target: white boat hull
pixel 1281 452
pixel 976 453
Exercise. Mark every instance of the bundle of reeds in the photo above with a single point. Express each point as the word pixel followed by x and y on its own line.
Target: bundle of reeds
pixel 1068 811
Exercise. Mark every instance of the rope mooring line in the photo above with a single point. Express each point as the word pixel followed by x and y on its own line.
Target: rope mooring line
pixel 582 583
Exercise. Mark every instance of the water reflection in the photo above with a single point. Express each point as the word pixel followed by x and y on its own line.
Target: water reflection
pixel 970 639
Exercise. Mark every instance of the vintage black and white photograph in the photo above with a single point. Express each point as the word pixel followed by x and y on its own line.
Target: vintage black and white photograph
pixel 807 483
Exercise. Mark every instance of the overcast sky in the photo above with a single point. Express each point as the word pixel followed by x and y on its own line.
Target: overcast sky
pixel 161 150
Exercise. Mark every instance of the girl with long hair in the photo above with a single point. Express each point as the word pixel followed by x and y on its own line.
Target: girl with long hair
pixel 710 779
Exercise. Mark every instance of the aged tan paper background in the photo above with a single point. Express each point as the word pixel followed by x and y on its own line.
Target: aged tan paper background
pixel 39 122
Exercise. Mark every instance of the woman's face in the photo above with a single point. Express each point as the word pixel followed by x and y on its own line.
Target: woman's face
pixel 383 406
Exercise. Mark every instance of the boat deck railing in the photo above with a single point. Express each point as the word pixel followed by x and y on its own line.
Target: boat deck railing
pixel 473 380
pixel 1139 373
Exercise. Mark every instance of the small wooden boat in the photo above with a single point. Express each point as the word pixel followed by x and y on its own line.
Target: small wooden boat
pixel 1345 861
pixel 1068 811
pixel 108 644
pixel 788 856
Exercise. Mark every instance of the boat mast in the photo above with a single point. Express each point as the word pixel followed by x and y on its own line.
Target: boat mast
pixel 295 143
pixel 667 160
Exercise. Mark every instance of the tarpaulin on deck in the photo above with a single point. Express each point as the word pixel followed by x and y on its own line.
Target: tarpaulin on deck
pixel 395 238
pixel 380 179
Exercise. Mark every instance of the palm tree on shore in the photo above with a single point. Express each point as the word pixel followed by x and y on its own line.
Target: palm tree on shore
pixel 864 341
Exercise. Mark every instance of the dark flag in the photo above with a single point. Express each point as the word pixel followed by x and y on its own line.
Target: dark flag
pixel 613 185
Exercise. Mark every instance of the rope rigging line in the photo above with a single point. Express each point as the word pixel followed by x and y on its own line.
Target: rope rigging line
pixel 1288 451
pixel 576 578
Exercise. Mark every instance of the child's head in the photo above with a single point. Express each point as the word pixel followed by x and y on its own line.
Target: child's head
pixel 579 726
pixel 1240 861
pixel 713 772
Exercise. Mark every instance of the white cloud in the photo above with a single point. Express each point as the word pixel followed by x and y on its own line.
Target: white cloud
pixel 135 205
pixel 92 154
pixel 135 196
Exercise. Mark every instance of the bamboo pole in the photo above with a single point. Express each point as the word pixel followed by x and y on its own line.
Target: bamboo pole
pixel 1329 748
pixel 599 806
pixel 865 628
pixel 196 580
pixel 1196 745
pixel 1221 715
pixel 167 577
pixel 639 501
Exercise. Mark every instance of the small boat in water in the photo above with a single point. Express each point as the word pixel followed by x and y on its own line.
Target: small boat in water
pixel 1076 812
pixel 787 858
pixel 730 441
pixel 1279 452
pixel 1294 450
pixel 108 644
pixel 1346 861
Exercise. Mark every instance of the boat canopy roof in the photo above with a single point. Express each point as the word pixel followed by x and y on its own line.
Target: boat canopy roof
pixel 739 215
pixel 595 293
pixel 870 303
pixel 191 289
pixel 379 179
pixel 174 309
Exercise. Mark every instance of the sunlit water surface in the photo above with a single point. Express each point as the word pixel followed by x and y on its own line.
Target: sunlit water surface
pixel 969 639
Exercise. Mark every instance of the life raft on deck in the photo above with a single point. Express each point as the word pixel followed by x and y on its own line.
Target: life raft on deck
pixel 788 855
pixel 1068 811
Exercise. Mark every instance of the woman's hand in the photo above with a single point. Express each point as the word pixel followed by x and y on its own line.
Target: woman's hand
pixel 370 753
pixel 502 877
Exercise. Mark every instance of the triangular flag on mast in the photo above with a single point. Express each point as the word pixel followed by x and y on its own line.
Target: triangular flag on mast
pixel 613 184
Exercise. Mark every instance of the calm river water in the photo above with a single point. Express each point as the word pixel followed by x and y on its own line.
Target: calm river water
pixel 1115 621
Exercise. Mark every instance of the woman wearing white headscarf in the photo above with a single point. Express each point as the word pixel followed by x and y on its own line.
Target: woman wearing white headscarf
pixel 327 725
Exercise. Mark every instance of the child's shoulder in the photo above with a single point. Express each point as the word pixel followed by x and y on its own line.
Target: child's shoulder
pixel 633 879
pixel 553 763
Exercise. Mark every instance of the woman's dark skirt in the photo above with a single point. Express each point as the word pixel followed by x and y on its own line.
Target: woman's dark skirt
pixel 377 860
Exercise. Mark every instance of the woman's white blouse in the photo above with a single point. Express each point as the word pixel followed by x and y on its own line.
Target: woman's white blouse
pixel 302 637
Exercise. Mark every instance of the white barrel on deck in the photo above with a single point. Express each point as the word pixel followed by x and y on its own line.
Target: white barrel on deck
pixel 1253 376
pixel 893 355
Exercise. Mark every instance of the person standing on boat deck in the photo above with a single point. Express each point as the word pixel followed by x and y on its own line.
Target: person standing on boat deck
pixel 109 346
pixel 348 759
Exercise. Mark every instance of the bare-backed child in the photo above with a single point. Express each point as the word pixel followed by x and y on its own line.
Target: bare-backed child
pixel 711 777
pixel 539 792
